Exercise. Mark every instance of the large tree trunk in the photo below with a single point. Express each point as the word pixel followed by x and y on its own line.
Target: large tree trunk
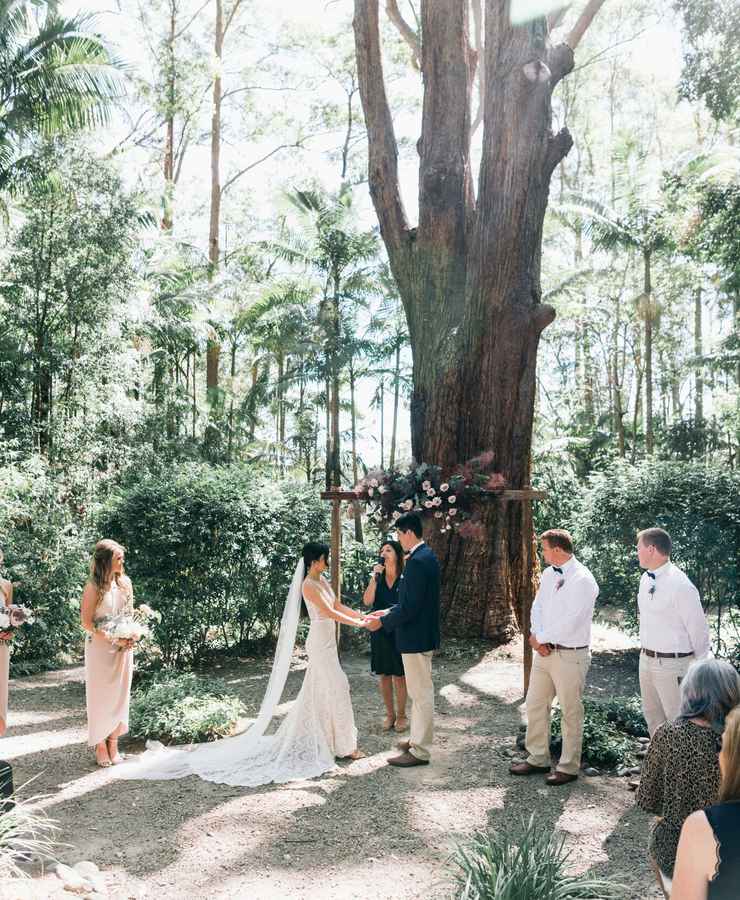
pixel 469 275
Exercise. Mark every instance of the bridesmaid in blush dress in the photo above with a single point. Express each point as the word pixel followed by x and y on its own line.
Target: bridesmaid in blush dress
pixel 109 665
pixel 6 598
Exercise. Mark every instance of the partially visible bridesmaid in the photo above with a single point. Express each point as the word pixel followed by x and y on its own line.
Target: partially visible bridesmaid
pixel 109 666
pixel 6 598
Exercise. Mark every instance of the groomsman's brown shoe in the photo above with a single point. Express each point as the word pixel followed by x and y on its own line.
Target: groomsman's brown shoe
pixel 524 768
pixel 407 760
pixel 558 778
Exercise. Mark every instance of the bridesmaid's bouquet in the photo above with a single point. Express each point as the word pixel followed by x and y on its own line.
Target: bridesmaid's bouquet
pixel 128 626
pixel 14 617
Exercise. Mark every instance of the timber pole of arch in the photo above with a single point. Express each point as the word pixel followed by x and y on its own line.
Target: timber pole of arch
pixel 336 496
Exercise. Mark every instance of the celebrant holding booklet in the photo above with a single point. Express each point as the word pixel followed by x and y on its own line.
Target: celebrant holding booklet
pixel 109 660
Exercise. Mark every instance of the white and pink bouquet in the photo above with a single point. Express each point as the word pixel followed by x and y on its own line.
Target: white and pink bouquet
pixel 14 617
pixel 128 626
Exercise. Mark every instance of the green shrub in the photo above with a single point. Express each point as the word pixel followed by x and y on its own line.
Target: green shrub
pixel 697 504
pixel 213 549
pixel 47 551
pixel 606 729
pixel 523 863
pixel 183 708
pixel 553 472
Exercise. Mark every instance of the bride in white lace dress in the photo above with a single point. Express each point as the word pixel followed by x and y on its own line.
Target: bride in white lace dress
pixel 318 729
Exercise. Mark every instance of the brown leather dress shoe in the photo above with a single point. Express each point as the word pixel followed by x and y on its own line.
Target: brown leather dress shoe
pixel 558 778
pixel 406 760
pixel 524 768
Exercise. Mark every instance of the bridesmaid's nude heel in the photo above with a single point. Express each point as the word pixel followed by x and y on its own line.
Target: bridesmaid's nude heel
pixel 103 761
pixel 112 747
pixel 388 722
pixel 401 725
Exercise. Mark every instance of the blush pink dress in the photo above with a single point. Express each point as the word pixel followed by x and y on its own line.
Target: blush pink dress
pixel 4 670
pixel 108 673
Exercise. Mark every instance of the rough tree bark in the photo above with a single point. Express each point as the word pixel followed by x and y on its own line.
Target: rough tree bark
pixel 469 274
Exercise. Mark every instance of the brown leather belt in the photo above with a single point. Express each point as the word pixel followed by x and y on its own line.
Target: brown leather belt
pixel 561 647
pixel 655 654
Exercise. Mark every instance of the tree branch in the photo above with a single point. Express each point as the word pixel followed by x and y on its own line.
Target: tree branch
pixel 256 163
pixel 230 17
pixel 406 31
pixel 583 23
pixel 382 147
pixel 190 22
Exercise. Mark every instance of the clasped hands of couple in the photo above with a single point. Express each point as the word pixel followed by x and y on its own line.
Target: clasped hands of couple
pixel 371 621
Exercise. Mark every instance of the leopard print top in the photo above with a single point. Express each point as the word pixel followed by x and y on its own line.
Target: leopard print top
pixel 680 775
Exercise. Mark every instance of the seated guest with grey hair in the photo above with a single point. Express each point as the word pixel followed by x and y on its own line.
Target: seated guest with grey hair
pixel 681 772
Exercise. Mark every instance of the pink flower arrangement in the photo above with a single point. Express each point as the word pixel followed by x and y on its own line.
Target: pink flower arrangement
pixel 451 501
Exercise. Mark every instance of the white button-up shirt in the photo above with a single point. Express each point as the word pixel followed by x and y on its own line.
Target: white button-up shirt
pixel 671 618
pixel 564 606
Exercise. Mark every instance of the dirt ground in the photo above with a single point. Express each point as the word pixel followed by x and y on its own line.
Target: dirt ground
pixel 364 830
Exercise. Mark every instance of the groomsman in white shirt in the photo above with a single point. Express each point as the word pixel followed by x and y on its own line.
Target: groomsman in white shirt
pixel 673 628
pixel 561 637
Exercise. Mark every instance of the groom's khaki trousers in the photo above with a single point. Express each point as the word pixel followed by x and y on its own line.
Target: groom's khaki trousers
pixel 418 669
pixel 562 673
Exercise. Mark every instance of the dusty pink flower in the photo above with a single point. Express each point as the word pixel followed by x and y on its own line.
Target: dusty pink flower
pixel 444 487
pixel 453 512
pixel 431 492
pixel 370 492
pixel 425 485
pixel 437 501
pixel 382 489
pixel 438 515
pixel 428 504
pixel 374 483
pixel 452 499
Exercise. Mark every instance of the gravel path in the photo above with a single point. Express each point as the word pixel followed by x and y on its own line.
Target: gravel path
pixel 362 831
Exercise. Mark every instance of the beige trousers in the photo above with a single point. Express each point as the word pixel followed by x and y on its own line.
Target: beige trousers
pixel 418 669
pixel 660 688
pixel 562 674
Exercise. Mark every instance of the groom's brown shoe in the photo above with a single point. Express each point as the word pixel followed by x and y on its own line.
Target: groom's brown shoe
pixel 406 760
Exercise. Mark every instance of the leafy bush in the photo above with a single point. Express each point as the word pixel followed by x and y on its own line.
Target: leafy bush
pixel 697 504
pixel 553 472
pixel 606 726
pixel 523 863
pixel 183 708
pixel 213 550
pixel 46 553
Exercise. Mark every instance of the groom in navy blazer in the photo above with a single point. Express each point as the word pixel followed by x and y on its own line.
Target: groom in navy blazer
pixel 414 621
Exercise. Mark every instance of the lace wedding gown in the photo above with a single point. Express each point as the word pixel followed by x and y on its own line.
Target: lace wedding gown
pixel 319 727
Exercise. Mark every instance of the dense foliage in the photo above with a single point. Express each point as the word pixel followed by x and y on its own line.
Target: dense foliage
pixel 183 709
pixel 608 726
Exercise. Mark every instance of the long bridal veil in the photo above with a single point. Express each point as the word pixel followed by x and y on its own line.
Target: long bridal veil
pixel 245 759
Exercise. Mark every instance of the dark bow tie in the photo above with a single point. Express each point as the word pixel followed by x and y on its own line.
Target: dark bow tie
pixel 651 575
pixel 557 569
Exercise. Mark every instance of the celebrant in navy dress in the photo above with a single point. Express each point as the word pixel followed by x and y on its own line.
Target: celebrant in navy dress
pixel 385 660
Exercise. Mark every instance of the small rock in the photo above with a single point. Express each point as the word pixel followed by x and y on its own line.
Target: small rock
pixel 622 772
pixel 591 772
pixel 643 740
pixel 635 770
pixel 86 868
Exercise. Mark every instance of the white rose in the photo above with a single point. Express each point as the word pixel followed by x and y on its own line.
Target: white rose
pixel 428 504
pixel 453 512
pixel 438 515
pixel 374 482
pixel 431 492
pixel 382 489
pixel 425 485
pixel 437 501
pixel 370 492
pixel 452 498
pixel 444 487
